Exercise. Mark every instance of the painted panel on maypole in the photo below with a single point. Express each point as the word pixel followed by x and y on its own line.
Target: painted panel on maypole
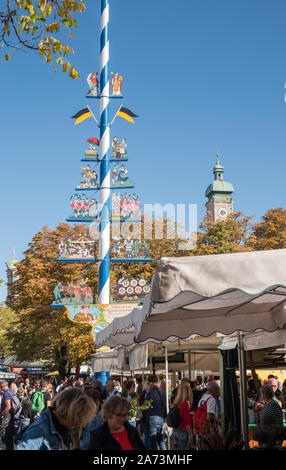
pixel 96 315
pixel 130 290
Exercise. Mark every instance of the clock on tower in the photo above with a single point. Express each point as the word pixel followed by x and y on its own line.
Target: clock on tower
pixel 222 212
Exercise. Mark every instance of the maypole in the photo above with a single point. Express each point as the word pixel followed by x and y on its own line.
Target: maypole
pixel 101 209
pixel 104 192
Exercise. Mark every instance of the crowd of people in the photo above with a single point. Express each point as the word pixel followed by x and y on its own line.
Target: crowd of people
pixel 84 414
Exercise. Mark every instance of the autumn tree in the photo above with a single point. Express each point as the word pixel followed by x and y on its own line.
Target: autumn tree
pixel 36 25
pixel 45 333
pixel 270 232
pixel 224 236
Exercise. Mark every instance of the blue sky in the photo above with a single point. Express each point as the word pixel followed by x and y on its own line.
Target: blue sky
pixel 201 76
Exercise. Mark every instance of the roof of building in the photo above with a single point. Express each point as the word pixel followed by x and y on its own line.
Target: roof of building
pixel 218 185
pixel 13 261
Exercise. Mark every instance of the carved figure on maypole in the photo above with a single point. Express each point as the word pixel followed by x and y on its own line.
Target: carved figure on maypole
pixel 129 249
pixel 126 206
pixel 89 178
pixel 119 177
pixel 92 81
pixel 116 84
pixel 115 148
pixel 81 248
pixel 123 148
pixel 83 208
pixel 119 149
pixel 77 293
pixel 91 153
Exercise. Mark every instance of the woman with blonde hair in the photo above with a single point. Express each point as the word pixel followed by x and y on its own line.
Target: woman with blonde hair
pixel 70 409
pixel 183 400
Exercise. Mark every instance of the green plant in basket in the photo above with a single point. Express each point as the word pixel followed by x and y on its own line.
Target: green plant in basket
pixel 136 411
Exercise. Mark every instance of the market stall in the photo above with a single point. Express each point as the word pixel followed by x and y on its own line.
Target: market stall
pixel 226 293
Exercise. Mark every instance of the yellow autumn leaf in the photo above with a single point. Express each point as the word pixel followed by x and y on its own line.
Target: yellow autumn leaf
pixel 72 72
pixel 66 66
pixel 48 10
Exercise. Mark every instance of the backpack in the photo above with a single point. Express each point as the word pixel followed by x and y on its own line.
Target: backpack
pixel 162 403
pixel 200 417
pixel 173 417
pixel 16 406
pixel 38 402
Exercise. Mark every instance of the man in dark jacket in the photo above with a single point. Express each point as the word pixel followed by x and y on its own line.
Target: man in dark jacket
pixel 156 415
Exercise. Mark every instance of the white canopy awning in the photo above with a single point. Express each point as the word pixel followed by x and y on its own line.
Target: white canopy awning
pixel 215 293
pixel 108 360
pixel 115 359
pixel 138 357
pixel 257 340
pixel 120 331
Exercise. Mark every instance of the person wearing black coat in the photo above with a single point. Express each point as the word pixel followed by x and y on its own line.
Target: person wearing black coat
pixel 115 433
pixel 101 439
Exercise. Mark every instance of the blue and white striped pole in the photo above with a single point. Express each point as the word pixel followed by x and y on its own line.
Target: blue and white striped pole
pixel 104 192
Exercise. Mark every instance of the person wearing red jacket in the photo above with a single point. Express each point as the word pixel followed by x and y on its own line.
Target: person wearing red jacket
pixel 184 400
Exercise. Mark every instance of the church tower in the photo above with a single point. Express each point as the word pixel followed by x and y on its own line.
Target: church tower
pixel 220 202
pixel 11 272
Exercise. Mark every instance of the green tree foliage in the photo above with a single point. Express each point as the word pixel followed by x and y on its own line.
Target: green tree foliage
pixel 8 320
pixel 37 25
pixel 225 236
